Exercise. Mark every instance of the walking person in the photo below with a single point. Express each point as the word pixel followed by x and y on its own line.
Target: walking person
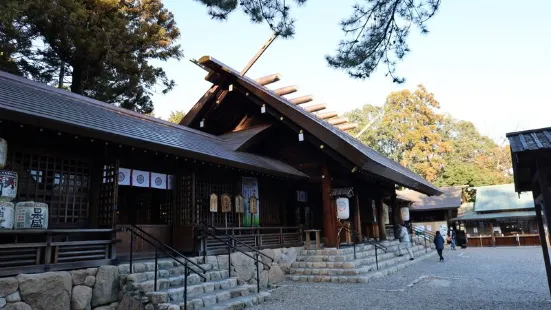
pixel 404 242
pixel 452 235
pixel 439 244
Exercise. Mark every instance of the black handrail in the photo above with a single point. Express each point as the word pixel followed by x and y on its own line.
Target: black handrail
pixel 233 247
pixel 430 235
pixel 364 239
pixel 235 240
pixel 145 236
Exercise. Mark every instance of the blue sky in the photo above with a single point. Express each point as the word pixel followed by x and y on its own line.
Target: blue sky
pixel 486 61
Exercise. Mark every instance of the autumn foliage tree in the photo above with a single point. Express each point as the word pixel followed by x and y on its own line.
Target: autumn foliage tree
pixel 446 151
pixel 102 48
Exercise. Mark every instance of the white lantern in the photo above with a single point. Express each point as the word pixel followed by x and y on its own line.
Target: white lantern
pixel 343 209
pixel 3 153
pixel 404 212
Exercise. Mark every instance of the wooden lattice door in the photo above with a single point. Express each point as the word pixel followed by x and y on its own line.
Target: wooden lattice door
pixel 107 216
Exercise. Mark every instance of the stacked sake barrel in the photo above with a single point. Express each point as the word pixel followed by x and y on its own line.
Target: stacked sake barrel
pixel 26 214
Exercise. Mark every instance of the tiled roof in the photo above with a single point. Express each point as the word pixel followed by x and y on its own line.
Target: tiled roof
pixel 450 199
pixel 501 198
pixel 235 140
pixel 354 150
pixel 54 108
pixel 493 216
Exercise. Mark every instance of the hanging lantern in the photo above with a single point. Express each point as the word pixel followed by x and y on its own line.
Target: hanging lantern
pixel 404 212
pixel 3 153
pixel 343 208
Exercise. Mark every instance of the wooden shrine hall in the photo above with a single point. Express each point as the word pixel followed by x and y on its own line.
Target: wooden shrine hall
pixel 245 160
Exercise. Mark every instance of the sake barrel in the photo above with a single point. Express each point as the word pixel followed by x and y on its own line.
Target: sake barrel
pixel 3 153
pixel 31 215
pixel 8 185
pixel 6 215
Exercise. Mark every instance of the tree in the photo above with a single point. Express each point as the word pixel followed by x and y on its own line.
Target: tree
pixel 408 126
pixel 176 116
pixel 375 34
pixel 104 48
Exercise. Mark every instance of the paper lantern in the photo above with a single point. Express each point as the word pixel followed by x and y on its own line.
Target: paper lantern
pixel 6 215
pixel 31 214
pixel 3 153
pixel 8 185
pixel 343 208
pixel 404 212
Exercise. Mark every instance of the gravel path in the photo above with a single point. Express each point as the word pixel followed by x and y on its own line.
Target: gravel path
pixel 473 278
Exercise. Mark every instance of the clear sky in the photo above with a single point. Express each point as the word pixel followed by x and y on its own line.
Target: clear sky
pixel 487 61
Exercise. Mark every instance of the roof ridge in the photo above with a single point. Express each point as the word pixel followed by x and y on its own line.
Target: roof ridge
pixel 91 101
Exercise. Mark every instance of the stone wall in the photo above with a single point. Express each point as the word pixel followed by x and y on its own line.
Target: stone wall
pixel 85 289
pixel 100 288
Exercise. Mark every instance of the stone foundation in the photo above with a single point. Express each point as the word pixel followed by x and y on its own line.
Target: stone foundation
pixel 100 288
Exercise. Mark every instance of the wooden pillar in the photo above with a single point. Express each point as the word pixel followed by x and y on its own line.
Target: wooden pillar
pixel 492 233
pixel 544 248
pixel 380 218
pixel 357 219
pixel 329 212
pixel 543 177
pixel 395 214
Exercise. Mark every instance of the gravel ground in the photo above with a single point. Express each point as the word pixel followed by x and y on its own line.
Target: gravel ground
pixel 473 278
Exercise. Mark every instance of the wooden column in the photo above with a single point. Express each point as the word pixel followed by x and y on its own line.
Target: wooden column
pixel 492 233
pixel 380 218
pixel 329 212
pixel 357 219
pixel 395 214
pixel 544 248
pixel 543 178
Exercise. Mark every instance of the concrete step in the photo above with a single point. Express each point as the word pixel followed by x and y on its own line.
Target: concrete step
pixel 141 283
pixel 242 302
pixel 366 251
pixel 233 298
pixel 171 295
pixel 385 269
pixel 345 250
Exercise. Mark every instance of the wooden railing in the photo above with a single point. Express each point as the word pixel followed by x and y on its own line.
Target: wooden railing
pixel 486 241
pixel 33 251
pixel 256 237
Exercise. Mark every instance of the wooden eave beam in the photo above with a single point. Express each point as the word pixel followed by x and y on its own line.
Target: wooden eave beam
pixel 315 107
pixel 269 79
pixel 337 121
pixel 349 126
pixel 302 99
pixel 327 115
pixel 282 91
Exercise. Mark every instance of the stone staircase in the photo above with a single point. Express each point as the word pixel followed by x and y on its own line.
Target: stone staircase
pixel 219 291
pixel 340 266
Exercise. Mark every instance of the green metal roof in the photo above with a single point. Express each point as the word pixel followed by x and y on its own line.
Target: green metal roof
pixel 495 216
pixel 501 198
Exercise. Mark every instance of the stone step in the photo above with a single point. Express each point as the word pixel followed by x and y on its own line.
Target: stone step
pixel 346 250
pixel 400 263
pixel 242 302
pixel 171 295
pixel 364 252
pixel 355 268
pixel 350 262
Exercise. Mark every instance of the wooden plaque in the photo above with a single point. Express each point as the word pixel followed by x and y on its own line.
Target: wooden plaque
pixel 253 205
pixel 213 202
pixel 226 203
pixel 239 204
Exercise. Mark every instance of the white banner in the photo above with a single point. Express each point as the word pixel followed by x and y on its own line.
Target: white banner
pixel 140 178
pixel 158 180
pixel 124 176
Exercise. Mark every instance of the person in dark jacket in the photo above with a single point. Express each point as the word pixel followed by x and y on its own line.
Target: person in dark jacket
pixel 439 244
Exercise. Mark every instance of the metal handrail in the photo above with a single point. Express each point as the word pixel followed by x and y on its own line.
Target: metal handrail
pixel 145 236
pixel 169 248
pixel 426 234
pixel 233 247
pixel 364 239
pixel 236 240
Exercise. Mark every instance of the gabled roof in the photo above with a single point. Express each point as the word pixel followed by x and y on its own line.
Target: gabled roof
pixel 495 216
pixel 450 199
pixel 530 140
pixel 39 104
pixel 236 140
pixel 501 198
pixel 350 148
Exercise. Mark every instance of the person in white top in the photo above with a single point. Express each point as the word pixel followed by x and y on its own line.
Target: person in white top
pixel 404 242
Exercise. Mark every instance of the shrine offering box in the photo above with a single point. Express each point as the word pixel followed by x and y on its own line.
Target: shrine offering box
pixel 31 215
